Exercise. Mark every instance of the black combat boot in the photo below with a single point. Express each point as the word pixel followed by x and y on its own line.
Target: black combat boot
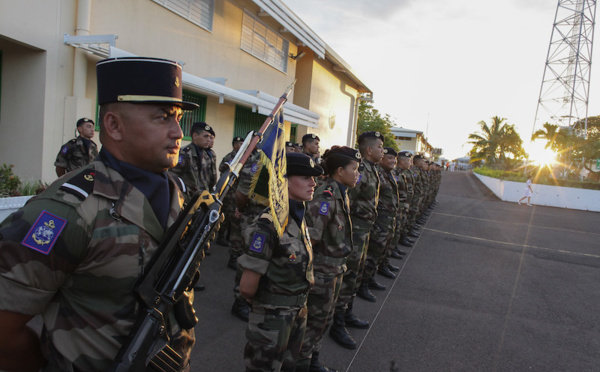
pixel 395 254
pixel 365 293
pixel 232 263
pixel 384 271
pixel 393 268
pixel 241 309
pixel 339 333
pixel 352 320
pixel 316 366
pixel 373 284
pixel 413 233
pixel 406 242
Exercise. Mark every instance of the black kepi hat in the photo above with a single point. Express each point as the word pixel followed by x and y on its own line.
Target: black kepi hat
pixel 301 165
pixel 405 154
pixel 140 80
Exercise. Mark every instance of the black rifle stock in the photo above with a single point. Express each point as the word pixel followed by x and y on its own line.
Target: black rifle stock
pixel 161 289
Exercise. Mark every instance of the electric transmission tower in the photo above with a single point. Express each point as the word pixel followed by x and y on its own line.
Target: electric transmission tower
pixel 565 90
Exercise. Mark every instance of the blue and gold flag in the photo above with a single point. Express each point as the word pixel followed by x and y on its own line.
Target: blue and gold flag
pixel 269 184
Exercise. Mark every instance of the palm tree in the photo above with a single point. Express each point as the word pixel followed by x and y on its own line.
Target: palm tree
pixel 496 144
pixel 549 133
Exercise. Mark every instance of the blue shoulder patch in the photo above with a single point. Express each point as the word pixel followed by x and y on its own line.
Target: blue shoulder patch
pixel 64 149
pixel 180 160
pixel 359 178
pixel 258 242
pixel 45 231
pixel 324 208
pixel 254 168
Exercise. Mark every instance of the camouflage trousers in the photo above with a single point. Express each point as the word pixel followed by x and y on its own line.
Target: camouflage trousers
pixel 413 212
pixel 321 305
pixel 355 262
pixel 239 229
pixel 380 237
pixel 274 335
pixel 400 229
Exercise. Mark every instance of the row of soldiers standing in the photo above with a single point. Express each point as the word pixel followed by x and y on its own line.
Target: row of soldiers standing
pixel 393 197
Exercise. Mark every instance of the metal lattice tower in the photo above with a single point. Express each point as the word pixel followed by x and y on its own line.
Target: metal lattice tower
pixel 564 94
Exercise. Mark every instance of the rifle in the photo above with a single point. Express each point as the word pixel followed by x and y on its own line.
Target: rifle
pixel 174 268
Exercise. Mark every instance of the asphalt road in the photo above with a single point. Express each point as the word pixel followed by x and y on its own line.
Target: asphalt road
pixel 489 286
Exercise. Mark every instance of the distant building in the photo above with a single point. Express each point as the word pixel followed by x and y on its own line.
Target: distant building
pixel 415 142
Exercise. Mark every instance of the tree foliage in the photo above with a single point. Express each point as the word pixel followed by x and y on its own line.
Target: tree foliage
pixel 498 144
pixel 370 119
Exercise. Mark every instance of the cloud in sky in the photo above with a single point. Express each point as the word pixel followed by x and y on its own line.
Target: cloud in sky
pixel 442 66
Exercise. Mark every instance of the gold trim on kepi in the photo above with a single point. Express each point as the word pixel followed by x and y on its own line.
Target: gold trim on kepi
pixel 140 80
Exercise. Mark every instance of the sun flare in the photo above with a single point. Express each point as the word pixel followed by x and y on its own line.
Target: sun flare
pixel 540 155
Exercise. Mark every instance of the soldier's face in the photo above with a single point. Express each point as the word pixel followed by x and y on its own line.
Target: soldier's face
pixel 404 163
pixel 376 150
pixel 150 137
pixel 237 145
pixel 202 139
pixel 348 175
pixel 86 130
pixel 312 147
pixel 388 162
pixel 301 188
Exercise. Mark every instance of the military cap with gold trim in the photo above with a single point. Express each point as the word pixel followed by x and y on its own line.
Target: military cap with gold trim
pixel 140 80
pixel 405 154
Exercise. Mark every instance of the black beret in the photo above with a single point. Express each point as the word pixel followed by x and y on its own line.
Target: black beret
pixel 371 134
pixel 301 165
pixel 419 156
pixel 310 137
pixel 405 154
pixel 84 120
pixel 289 144
pixel 237 139
pixel 345 152
pixel 140 80
pixel 389 151
pixel 201 126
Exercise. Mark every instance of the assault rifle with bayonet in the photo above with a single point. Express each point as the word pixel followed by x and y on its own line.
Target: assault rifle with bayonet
pixel 174 268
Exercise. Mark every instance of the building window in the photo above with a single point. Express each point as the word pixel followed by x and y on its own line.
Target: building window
pixel 399 138
pixel 264 43
pixel 190 117
pixel 293 132
pixel 245 120
pixel 199 12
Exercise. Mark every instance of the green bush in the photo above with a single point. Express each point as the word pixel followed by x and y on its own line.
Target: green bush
pixel 9 182
pixel 540 177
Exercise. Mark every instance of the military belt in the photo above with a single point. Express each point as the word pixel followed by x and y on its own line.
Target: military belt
pixel 281 300
pixel 319 259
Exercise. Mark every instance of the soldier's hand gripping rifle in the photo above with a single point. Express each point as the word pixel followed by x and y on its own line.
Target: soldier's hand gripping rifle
pixel 162 289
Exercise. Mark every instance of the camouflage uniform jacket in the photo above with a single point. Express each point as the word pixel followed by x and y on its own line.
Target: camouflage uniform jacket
pixel 73 254
pixel 74 155
pixel 410 184
pixel 329 225
pixel 197 173
pixel 388 198
pixel 418 182
pixel 364 197
pixel 228 158
pixel 229 200
pixel 400 178
pixel 285 263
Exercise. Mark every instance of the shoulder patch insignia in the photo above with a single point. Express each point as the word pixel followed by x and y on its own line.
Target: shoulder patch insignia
pixel 258 242
pixel 81 185
pixel 45 231
pixel 180 160
pixel 361 166
pixel 328 191
pixel 64 149
pixel 324 208
pixel 359 178
pixel 254 168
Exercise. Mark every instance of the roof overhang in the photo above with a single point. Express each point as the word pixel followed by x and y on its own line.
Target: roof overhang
pixel 260 102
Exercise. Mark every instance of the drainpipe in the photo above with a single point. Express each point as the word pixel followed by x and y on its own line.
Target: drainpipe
pixel 352 135
pixel 82 28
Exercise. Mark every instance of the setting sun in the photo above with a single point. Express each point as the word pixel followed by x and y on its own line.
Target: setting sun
pixel 540 155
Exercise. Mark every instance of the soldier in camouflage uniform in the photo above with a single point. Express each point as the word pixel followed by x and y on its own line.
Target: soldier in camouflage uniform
pixel 405 182
pixel 363 212
pixel 310 146
pixel 229 201
pixel 245 213
pixel 417 196
pixel 330 228
pixel 74 252
pixel 277 275
pixel 79 151
pixel 382 231
pixel 197 164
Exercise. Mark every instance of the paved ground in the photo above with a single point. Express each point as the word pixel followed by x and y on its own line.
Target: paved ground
pixel 489 286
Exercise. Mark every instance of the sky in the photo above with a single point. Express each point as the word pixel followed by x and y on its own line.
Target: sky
pixel 443 66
